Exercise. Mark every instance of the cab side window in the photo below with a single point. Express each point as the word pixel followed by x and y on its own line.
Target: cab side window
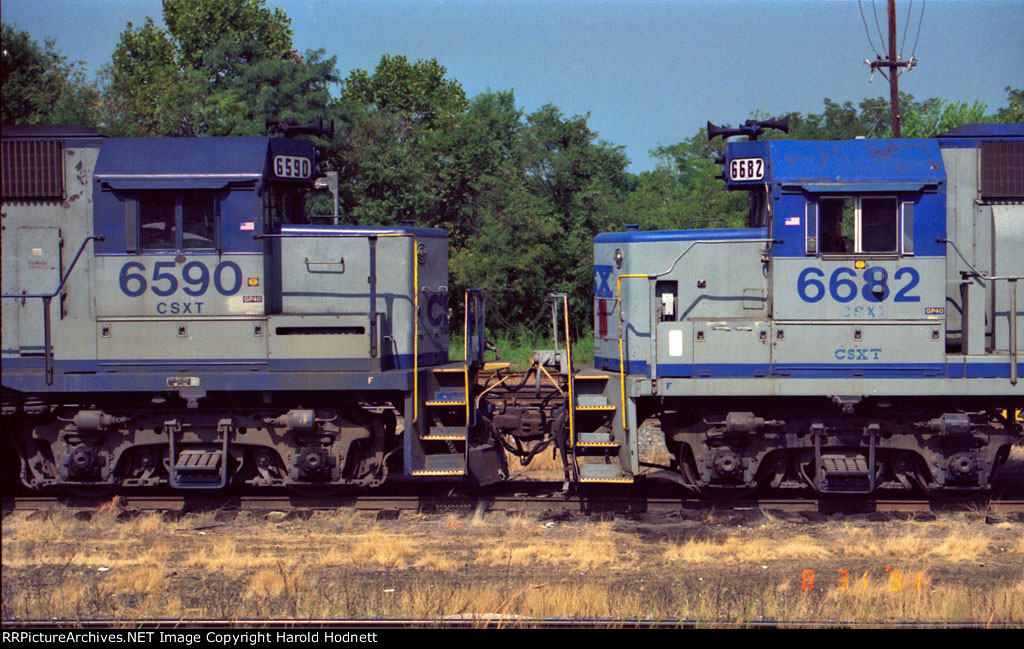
pixel 878 224
pixel 856 225
pixel 283 204
pixel 177 220
pixel 158 223
pixel 838 225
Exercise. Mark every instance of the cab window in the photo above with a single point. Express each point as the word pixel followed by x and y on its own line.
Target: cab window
pixel 861 224
pixel 177 220
pixel 284 204
pixel 838 225
pixel 878 222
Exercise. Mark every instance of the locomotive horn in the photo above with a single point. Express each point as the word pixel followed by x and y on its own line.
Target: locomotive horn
pixel 777 124
pixel 724 131
pixel 752 128
pixel 290 127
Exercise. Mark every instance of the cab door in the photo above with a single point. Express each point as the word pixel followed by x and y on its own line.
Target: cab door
pixel 39 270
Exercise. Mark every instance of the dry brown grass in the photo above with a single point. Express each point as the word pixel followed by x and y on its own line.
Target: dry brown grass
pixel 347 564
pixel 734 550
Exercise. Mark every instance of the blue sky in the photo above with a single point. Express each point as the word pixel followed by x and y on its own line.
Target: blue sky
pixel 647 72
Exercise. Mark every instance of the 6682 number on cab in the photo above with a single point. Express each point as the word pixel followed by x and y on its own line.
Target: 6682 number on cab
pixel 846 284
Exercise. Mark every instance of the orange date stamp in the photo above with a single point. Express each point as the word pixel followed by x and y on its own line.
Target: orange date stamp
pixel 896 580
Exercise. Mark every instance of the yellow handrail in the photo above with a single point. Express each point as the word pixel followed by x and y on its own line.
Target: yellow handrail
pixel 622 369
pixel 465 353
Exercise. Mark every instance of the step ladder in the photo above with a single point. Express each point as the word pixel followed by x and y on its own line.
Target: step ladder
pixel 442 447
pixel 597 450
pixel 443 435
pixel 198 465
pixel 597 456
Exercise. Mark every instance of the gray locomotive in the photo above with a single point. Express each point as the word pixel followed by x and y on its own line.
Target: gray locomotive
pixel 171 315
pixel 866 329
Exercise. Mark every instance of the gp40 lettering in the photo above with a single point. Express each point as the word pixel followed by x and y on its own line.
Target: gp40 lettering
pixel 194 279
pixel 843 286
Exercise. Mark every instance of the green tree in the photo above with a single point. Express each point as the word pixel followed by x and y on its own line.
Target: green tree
pixel 397 147
pixel 934 116
pixel 222 67
pixel 556 186
pixel 40 86
pixel 1014 112
pixel 686 187
pixel 147 93
pixel 197 26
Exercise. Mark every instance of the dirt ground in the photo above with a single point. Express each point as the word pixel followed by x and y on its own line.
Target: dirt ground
pixel 713 566
pixel 724 567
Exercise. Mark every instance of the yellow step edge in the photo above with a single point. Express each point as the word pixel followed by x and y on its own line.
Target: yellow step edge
pixel 578 408
pixel 449 369
pixel 597 444
pixel 438 473
pixel 592 376
pixel 626 480
pixel 493 366
pixel 444 438
pixel 445 403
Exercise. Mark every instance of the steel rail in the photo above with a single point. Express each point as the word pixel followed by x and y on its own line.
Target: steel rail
pixel 595 503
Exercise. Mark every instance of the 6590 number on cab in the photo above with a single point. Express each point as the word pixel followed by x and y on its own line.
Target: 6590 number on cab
pixel 195 278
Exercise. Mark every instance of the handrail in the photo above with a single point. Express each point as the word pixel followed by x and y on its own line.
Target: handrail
pixel 477 306
pixel 711 242
pixel 570 403
pixel 568 357
pixel 622 369
pixel 47 345
pixel 1012 281
pixel 63 279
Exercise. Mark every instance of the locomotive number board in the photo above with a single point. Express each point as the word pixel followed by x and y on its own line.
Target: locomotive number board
pixel 744 169
pixel 290 166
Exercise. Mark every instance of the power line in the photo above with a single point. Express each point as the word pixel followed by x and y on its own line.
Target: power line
pixel 906 23
pixel 867 31
pixel 920 21
pixel 881 39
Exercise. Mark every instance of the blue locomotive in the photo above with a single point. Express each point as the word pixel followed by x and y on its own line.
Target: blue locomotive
pixel 865 330
pixel 172 315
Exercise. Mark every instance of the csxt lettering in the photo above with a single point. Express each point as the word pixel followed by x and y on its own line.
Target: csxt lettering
pixel 858 354
pixel 179 308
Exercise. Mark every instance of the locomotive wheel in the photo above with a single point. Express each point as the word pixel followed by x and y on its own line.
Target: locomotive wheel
pixel 687 467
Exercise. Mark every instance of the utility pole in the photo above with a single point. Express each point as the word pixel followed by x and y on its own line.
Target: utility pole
pixel 893 64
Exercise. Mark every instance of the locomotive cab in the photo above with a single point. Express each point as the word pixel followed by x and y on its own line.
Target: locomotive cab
pixel 821 347
pixel 207 333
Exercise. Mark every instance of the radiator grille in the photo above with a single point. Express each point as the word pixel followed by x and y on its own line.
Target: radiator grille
pixel 1002 170
pixel 33 170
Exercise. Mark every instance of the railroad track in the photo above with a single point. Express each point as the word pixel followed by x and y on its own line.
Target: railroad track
pixel 537 499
